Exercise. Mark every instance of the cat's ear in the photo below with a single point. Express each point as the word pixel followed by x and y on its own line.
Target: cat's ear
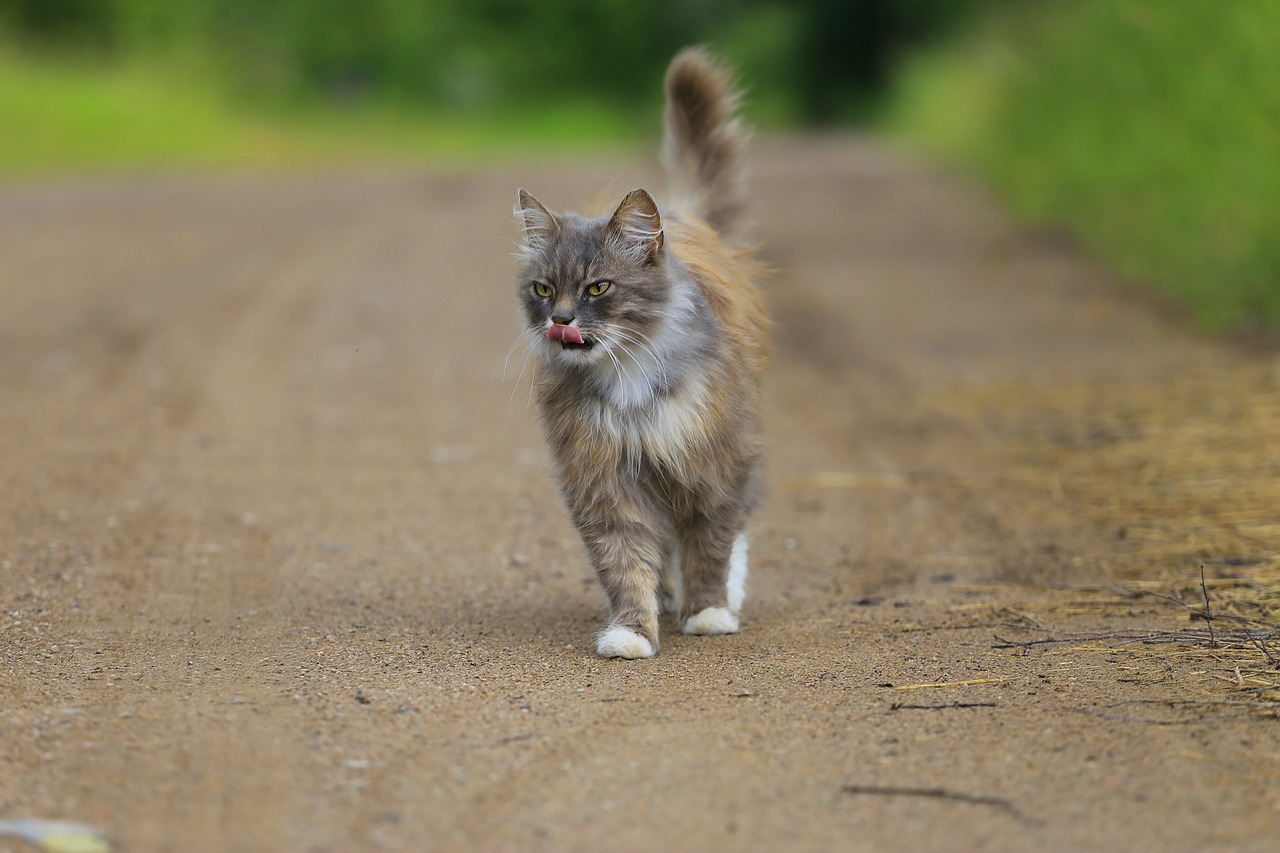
pixel 636 226
pixel 540 225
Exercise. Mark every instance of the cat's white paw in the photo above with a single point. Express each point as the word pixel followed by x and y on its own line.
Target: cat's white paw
pixel 712 620
pixel 623 643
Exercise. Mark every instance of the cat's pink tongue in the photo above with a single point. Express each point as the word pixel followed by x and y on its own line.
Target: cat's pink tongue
pixel 567 334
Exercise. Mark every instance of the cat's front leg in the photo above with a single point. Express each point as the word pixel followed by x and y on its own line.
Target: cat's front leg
pixel 627 553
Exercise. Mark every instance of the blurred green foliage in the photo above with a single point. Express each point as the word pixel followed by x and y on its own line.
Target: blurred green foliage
pixel 87 84
pixel 806 60
pixel 1150 128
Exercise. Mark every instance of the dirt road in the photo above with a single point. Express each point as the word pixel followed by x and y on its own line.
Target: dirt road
pixel 283 567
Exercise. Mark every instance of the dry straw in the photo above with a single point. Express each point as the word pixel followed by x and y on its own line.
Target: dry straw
pixel 1187 476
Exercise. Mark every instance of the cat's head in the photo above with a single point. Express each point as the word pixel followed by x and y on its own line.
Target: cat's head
pixel 593 291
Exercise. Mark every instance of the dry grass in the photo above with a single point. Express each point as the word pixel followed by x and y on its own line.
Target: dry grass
pixel 1187 475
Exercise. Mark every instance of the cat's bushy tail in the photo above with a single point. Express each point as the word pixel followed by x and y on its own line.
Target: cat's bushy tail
pixel 705 142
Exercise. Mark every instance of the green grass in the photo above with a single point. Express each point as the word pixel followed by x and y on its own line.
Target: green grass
pixel 1150 128
pixel 62 117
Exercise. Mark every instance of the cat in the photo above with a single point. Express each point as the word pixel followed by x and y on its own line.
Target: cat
pixel 651 343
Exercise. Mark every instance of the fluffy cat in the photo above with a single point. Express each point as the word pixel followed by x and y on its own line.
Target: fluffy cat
pixel 651 343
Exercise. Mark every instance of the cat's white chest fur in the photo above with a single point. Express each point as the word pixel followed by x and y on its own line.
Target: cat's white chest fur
pixel 627 378
pixel 663 427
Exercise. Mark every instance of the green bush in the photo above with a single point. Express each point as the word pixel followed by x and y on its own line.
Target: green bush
pixel 1151 128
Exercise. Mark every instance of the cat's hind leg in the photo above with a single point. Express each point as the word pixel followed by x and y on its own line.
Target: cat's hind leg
pixel 736 591
pixel 715 576
pixel 672 582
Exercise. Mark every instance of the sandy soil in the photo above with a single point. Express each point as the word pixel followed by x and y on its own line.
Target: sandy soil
pixel 283 568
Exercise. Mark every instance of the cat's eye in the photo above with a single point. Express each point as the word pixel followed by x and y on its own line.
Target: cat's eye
pixel 596 288
pixel 543 290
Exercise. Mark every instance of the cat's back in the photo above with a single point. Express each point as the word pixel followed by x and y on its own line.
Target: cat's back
pixel 729 278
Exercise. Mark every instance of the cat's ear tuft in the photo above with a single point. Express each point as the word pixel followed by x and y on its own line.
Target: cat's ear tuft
pixel 637 226
pixel 540 224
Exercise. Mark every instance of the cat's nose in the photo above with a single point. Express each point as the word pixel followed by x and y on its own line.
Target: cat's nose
pixel 562 319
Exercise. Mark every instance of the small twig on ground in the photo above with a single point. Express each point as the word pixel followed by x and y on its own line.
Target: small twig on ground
pixel 1025 645
pixel 1178 601
pixel 1208 611
pixel 1262 646
pixel 1151 721
pixel 901 706
pixel 936 794
pixel 515 738
pixel 1191 703
pixel 1124 636
pixel 1124 718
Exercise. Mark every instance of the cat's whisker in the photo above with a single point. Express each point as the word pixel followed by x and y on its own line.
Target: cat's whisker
pixel 636 336
pixel 630 336
pixel 520 339
pixel 617 366
pixel 646 347
pixel 529 338
pixel 519 379
pixel 624 378
pixel 532 379
pixel 644 373
pixel 516 387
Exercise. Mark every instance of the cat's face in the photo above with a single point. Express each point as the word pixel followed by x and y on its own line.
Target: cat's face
pixel 593 290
